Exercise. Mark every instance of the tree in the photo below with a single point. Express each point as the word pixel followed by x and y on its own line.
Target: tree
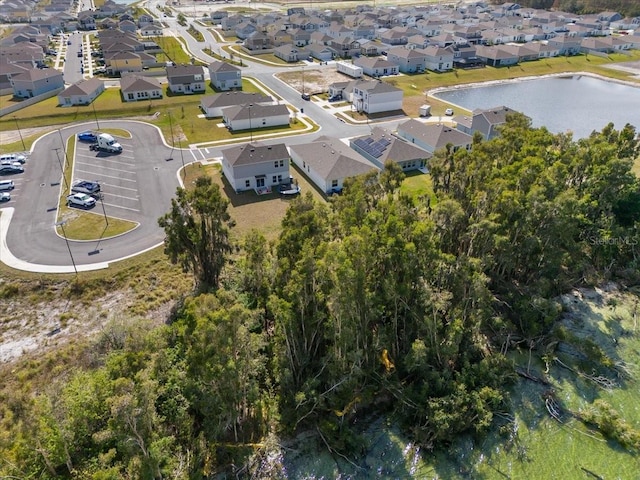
pixel 197 232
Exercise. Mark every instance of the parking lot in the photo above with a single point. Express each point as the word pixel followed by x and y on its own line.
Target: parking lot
pixel 18 181
pixel 117 175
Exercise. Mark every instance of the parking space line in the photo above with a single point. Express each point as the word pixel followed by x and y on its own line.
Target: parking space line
pixel 104 160
pixel 114 176
pixel 119 206
pixel 120 196
pixel 119 187
pixel 125 172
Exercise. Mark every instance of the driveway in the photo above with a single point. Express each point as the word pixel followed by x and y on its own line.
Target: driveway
pixel 138 185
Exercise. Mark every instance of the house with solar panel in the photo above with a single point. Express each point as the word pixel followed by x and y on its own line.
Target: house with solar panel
pixel 381 146
pixel 328 162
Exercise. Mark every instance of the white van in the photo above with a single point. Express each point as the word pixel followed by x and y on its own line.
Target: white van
pixel 6 185
pixel 6 158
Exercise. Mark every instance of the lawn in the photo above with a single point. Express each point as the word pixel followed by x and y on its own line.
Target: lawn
pixel 173 51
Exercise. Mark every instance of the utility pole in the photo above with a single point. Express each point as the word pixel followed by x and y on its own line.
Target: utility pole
pixel 250 129
pixel 20 133
pixel 64 234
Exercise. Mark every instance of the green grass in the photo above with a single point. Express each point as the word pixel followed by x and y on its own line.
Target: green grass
pixel 417 185
pixel 173 51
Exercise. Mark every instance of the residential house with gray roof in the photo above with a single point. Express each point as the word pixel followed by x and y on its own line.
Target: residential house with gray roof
pixel 186 79
pixel 82 92
pixel 409 60
pixel 484 121
pixel 134 88
pixel 438 59
pixel 328 162
pixel 255 116
pixel 381 146
pixel 36 82
pixel 376 66
pixel 432 137
pixel 212 105
pixel 225 76
pixel 255 166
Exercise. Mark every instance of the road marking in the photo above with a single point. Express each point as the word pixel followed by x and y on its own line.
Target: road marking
pixel 113 176
pixel 120 196
pixel 119 206
pixel 119 187
pixel 93 171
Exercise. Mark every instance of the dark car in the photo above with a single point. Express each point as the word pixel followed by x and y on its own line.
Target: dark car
pixel 85 186
pixel 14 167
pixel 87 137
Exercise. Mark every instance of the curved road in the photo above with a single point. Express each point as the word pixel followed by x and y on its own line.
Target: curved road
pixel 31 241
pixel 149 168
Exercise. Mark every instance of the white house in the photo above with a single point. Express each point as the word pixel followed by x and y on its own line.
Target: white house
pixel 374 97
pixel 135 88
pixel 82 92
pixel 251 117
pixel 328 162
pixel 255 166
pixel 212 105
pixel 432 137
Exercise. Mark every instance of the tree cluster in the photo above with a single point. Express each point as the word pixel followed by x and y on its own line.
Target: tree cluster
pixel 376 303
pixel 627 8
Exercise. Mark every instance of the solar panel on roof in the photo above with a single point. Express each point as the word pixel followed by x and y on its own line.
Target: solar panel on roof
pixel 368 140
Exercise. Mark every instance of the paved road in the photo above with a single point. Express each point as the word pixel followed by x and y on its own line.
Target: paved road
pixel 31 237
pixel 150 175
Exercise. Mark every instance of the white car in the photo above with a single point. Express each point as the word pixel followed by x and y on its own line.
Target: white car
pixel 81 200
pixel 448 112
pixel 5 196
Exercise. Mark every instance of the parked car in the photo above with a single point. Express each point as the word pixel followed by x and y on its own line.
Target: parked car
pixel 87 136
pixel 86 186
pixel 306 96
pixel 10 168
pixel 5 196
pixel 81 200
pixel 6 185
pixel 13 157
pixel 448 112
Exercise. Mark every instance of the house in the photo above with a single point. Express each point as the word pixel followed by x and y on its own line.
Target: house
pixel 82 92
pixel 376 66
pixel 224 76
pixel 250 116
pixel 186 79
pixel 258 41
pixel 36 81
pixel 484 121
pixel 345 47
pixel 327 162
pixel 212 105
pixel 382 146
pixel 255 166
pixel 151 30
pixel 566 45
pixel 127 26
pixel 134 88
pixel 432 137
pixel 321 52
pixel 290 53
pixel 496 56
pixel 368 48
pixel 438 59
pixel 375 97
pixel 123 62
pixel 408 60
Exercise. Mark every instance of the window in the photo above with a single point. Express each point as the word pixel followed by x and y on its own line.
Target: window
pixel 279 178
pixel 274 179
pixel 282 163
pixel 247 183
pixel 275 164
pixel 259 182
pixel 334 183
pixel 130 96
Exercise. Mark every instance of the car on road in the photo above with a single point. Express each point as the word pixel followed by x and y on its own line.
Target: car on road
pixel 87 136
pixel 448 112
pixel 81 200
pixel 86 186
pixel 13 167
pixel 5 196
pixel 306 96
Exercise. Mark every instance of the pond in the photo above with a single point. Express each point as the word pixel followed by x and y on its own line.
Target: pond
pixel 576 103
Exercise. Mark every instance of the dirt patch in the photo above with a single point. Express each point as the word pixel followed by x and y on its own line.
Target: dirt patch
pixel 316 79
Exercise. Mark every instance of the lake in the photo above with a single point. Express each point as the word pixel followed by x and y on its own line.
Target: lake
pixel 578 103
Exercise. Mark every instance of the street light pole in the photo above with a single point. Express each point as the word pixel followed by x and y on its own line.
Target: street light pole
pixel 64 234
pixel 250 129
pixel 95 115
pixel 106 220
pixel 173 146
pixel 20 133
pixel 64 177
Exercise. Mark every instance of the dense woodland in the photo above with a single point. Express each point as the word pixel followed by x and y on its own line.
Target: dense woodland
pixel 627 8
pixel 373 304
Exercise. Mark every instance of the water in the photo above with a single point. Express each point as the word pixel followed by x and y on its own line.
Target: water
pixel 577 103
